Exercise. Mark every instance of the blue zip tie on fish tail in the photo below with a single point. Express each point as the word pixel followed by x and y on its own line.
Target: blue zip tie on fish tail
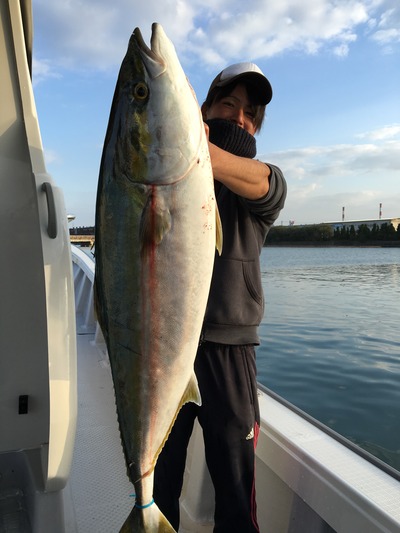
pixel 133 495
pixel 144 506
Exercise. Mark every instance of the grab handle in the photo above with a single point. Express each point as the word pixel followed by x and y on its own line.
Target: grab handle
pixel 51 207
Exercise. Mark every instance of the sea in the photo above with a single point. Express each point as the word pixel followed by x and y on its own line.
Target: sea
pixel 330 339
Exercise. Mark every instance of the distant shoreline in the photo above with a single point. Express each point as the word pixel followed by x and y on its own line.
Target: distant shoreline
pixel 319 244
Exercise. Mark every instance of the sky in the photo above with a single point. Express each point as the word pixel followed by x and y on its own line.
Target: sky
pixel 333 125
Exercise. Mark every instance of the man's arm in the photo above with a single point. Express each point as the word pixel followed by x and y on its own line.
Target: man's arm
pixel 243 176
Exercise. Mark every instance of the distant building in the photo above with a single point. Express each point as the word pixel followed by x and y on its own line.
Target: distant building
pixel 369 223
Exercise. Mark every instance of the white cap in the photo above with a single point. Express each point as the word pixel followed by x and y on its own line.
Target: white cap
pixel 250 73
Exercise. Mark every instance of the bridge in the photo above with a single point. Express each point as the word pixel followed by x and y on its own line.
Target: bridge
pixel 82 240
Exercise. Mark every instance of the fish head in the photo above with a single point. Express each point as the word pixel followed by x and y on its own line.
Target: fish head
pixel 157 128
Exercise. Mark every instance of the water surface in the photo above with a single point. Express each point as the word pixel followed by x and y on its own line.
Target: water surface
pixel 330 340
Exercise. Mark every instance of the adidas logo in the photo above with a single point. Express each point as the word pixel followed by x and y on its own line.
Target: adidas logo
pixel 250 435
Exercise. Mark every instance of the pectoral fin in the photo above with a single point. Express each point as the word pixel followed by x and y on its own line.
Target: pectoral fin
pixel 154 224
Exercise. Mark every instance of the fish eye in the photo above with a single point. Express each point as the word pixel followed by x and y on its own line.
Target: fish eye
pixel 140 91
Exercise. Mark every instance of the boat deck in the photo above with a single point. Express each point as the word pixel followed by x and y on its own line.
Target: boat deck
pixel 97 496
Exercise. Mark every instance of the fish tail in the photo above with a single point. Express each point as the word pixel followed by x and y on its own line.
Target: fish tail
pixel 146 520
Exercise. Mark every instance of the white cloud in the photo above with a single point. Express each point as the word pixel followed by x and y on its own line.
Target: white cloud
pixel 305 207
pixel 386 132
pixel 41 70
pixel 342 50
pixel 93 34
pixel 387 36
pixel 387 24
pixel 342 160
pixel 363 173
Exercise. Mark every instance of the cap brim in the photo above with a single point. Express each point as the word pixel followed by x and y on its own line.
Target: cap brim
pixel 259 82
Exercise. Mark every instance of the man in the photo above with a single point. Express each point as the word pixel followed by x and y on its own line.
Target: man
pixel 250 195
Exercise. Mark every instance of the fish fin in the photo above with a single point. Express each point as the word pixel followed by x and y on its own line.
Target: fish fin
pixel 192 393
pixel 218 230
pixel 146 520
pixel 155 223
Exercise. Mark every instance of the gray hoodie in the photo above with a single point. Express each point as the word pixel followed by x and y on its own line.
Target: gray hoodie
pixel 235 305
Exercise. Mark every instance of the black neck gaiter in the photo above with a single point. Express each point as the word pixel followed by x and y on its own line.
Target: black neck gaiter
pixel 232 138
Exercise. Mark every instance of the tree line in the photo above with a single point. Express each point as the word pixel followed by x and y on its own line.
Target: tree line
pixel 82 230
pixel 378 234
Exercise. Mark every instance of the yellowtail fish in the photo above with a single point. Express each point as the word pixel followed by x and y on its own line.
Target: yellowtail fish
pixel 156 227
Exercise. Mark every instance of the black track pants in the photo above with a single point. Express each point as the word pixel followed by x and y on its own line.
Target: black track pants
pixel 229 416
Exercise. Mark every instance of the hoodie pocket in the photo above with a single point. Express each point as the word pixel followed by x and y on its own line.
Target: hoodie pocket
pixel 236 296
pixel 251 275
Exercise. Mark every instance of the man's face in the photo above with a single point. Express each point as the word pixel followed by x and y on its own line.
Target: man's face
pixel 236 108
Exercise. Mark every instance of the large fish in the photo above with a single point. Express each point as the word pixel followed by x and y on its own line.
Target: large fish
pixel 156 226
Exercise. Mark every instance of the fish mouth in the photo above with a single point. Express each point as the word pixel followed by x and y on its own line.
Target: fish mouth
pixel 152 59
